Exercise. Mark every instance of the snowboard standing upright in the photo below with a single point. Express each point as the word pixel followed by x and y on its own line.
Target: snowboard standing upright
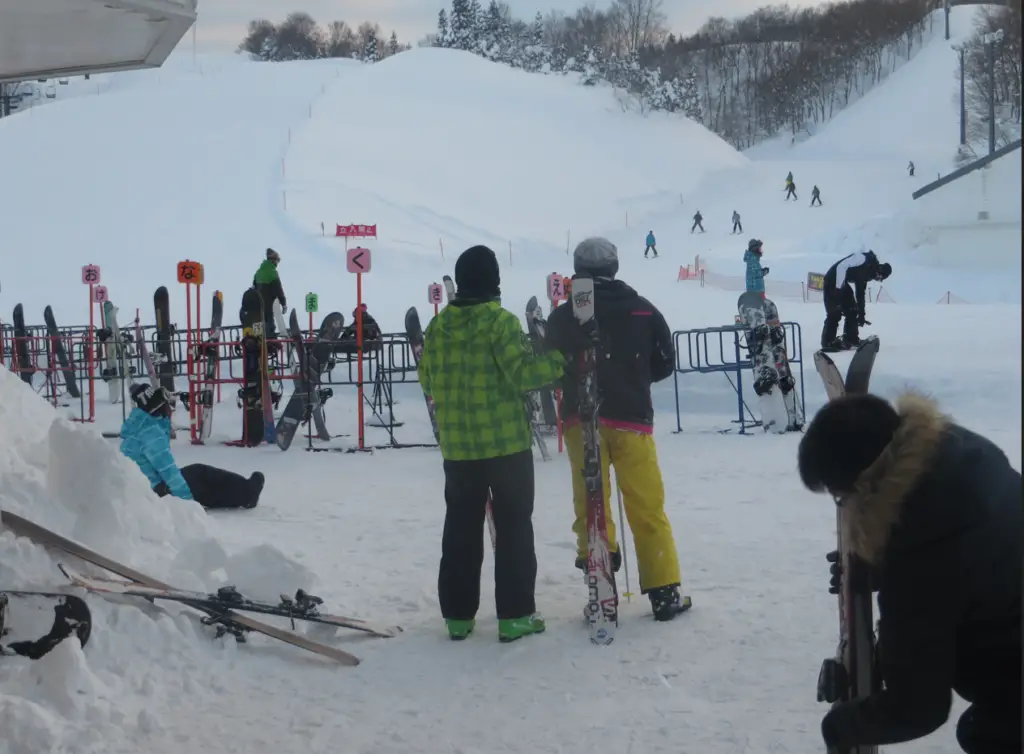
pixel 537 326
pixel 254 369
pixel 774 417
pixel 25 367
pixel 414 332
pixel 602 598
pixel 57 349
pixel 787 382
pixel 851 673
pixel 209 354
pixel 304 404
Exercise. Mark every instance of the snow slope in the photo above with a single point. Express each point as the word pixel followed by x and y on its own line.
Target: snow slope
pixel 439 146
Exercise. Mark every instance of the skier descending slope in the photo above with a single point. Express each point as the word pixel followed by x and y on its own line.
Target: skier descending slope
pixel 146 440
pixel 477 367
pixel 636 351
pixel 936 511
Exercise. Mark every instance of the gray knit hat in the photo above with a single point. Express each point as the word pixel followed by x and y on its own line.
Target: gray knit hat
pixel 597 256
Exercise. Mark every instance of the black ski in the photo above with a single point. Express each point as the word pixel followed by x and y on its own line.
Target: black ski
pixel 33 623
pixel 24 363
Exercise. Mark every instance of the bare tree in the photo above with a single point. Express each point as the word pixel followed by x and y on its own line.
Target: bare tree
pixel 641 23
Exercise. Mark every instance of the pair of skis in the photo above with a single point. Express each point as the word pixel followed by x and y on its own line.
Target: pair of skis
pixel 226 612
pixel 851 673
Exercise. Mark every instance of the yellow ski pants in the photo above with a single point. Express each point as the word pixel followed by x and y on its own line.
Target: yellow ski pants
pixel 635 459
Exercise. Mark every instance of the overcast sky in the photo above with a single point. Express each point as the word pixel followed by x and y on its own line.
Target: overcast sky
pixel 222 23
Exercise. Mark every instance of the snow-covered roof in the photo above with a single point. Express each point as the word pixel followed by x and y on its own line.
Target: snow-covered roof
pixel 51 38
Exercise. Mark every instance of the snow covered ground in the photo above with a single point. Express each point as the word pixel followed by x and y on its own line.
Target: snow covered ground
pixel 443 150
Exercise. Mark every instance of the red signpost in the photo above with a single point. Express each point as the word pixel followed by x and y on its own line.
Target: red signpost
pixel 357 261
pixel 91 278
pixel 435 295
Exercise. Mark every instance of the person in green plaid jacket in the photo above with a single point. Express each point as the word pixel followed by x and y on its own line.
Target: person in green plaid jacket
pixel 477 367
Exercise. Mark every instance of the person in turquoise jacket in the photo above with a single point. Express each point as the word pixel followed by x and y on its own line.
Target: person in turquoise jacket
pixel 651 245
pixel 755 272
pixel 146 440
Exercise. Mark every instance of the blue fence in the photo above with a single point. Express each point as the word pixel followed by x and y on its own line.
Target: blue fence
pixel 718 350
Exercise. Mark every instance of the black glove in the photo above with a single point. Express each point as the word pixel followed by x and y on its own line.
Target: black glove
pixel 764 271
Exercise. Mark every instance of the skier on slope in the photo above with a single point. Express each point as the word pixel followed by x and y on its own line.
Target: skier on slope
pixel 935 510
pixel 651 245
pixel 815 196
pixel 698 222
pixel 790 189
pixel 146 440
pixel 755 272
pixel 737 225
pixel 845 301
pixel 268 283
pixel 477 365
pixel 637 351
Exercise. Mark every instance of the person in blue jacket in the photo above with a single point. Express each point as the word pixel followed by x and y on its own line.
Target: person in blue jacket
pixel 146 439
pixel 755 272
pixel 651 245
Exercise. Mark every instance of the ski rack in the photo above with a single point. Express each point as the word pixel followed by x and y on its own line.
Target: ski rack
pixel 730 361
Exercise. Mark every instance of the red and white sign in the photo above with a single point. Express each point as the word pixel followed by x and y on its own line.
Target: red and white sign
pixel 556 287
pixel 91 274
pixel 99 294
pixel 435 293
pixel 357 260
pixel 356 231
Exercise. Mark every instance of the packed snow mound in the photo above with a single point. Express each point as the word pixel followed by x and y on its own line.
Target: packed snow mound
pixel 912 115
pixel 444 147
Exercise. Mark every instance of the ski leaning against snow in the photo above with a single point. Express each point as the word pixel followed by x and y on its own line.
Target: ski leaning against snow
pixel 851 673
pixel 602 599
pixel 32 624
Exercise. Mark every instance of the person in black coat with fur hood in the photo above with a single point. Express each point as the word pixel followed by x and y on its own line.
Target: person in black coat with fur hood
pixel 936 511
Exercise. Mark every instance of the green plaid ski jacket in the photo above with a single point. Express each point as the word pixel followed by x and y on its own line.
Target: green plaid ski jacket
pixel 476 366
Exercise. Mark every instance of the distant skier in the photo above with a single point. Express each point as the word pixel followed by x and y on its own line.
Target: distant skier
pixel 910 168
pixel 477 366
pixel 146 439
pixel 755 272
pixel 789 177
pixel 637 351
pixel 737 226
pixel 651 245
pixel 698 222
pixel 268 283
pixel 935 511
pixel 790 189
pixel 845 284
pixel 815 196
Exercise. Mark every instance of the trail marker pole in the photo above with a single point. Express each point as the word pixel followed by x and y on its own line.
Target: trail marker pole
pixel 91 278
pixel 435 295
pixel 358 263
pixel 191 274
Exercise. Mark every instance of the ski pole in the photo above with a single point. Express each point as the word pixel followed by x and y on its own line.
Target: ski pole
pixel 622 542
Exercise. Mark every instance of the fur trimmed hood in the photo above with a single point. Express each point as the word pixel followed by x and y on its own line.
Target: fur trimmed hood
pixel 881 490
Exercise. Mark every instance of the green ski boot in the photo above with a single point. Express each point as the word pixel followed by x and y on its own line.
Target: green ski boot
pixel 459 629
pixel 510 629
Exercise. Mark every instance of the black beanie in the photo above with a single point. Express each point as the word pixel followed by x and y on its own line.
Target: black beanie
pixel 846 436
pixel 477 275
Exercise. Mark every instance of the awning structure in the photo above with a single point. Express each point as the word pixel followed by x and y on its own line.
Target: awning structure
pixel 42 39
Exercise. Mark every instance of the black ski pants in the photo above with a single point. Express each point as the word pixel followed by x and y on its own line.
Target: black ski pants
pixel 737 226
pixel 217 488
pixel 838 305
pixel 509 479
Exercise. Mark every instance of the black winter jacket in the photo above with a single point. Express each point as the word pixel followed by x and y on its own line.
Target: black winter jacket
pixel 636 350
pixel 939 516
pixel 854 269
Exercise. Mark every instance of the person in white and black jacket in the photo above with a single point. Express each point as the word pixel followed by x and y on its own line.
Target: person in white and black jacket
pixel 845 285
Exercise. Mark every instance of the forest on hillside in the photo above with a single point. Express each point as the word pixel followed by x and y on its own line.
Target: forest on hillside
pixel 775 71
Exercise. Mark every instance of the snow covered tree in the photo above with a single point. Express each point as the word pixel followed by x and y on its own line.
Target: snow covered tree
pixel 393 47
pixel 690 100
pixel 535 55
pixel 462 25
pixel 370 52
pixel 443 33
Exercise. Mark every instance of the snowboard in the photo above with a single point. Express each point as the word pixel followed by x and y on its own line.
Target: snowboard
pixel 759 337
pixel 33 623
pixel 540 403
pixel 303 606
pixel 21 340
pixel 147 359
pixel 414 332
pixel 851 673
pixel 602 597
pixel 226 621
pixel 57 349
pixel 253 394
pixel 304 405
pixel 208 356
pixel 116 368
pixel 787 382
pixel 164 357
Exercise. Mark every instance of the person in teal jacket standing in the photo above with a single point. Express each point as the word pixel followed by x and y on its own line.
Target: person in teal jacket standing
pixel 755 272
pixel 651 245
pixel 146 440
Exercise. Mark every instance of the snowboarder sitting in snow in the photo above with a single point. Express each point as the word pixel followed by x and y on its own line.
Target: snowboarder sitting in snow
pixel 935 510
pixel 146 439
pixel 638 352
pixel 846 302
pixel 268 283
pixel 755 272
pixel 477 366
pixel 651 245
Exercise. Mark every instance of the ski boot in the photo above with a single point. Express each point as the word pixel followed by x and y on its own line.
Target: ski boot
pixel 666 603
pixel 511 629
pixel 459 629
pixel 834 346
